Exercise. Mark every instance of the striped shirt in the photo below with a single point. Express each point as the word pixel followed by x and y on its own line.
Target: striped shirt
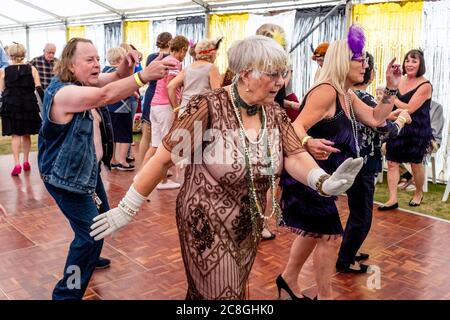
pixel 45 69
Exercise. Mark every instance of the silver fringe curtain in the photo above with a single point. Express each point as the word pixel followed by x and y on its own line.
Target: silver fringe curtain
pixel 436 48
pixel 113 36
pixel 192 28
pixel 332 29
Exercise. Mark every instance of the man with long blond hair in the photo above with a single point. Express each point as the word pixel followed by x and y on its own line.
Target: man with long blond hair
pixel 71 147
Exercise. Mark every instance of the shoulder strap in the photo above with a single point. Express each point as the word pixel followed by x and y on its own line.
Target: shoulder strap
pixel 423 84
pixel 318 85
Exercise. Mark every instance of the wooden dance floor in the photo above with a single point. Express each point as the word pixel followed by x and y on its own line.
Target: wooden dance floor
pixel 411 251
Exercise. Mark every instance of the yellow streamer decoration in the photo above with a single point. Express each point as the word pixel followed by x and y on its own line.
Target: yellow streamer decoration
pixel 391 30
pixel 75 32
pixel 137 33
pixel 230 26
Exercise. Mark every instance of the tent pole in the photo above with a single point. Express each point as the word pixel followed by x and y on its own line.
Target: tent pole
pixel 318 24
pixel 27 37
pixel 122 28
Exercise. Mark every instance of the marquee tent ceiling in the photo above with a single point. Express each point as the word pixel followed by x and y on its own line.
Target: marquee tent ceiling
pixel 35 13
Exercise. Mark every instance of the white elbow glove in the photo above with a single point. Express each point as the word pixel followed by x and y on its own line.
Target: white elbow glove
pixel 339 181
pixel 116 218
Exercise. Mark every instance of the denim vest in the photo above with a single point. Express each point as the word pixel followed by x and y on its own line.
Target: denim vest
pixel 66 156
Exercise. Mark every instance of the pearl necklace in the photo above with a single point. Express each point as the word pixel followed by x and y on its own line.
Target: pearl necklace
pixel 255 207
pixel 351 113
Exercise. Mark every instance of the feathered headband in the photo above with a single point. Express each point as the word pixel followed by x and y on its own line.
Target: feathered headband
pixel 216 47
pixel 356 41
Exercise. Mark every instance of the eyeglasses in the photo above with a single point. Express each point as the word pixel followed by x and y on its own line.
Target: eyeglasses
pixel 364 60
pixel 275 75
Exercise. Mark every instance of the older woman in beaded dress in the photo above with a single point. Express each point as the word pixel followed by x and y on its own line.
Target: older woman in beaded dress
pixel 220 207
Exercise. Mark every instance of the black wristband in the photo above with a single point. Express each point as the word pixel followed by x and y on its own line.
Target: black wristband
pixel 390 92
pixel 40 91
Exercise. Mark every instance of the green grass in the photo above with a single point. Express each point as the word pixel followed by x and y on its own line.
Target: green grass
pixel 431 203
pixel 5 144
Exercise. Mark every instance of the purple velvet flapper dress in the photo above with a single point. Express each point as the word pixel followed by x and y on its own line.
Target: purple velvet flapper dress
pixel 414 139
pixel 305 212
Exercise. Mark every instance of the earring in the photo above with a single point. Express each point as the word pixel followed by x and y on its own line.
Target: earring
pixel 247 90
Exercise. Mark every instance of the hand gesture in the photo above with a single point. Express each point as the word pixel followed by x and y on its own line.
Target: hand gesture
pixel 132 58
pixel 116 218
pixel 343 177
pixel 157 69
pixel 393 75
pixel 405 114
pixel 320 149
pixel 394 114
pixel 108 222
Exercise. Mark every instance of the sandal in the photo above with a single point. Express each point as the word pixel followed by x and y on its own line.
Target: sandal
pixel 412 203
pixel 269 236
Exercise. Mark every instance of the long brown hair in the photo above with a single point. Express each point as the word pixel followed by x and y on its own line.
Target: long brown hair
pixel 62 68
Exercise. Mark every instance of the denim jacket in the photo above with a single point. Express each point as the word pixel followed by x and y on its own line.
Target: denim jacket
pixel 66 156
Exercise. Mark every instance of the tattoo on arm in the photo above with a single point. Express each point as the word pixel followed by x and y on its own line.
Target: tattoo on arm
pixel 386 98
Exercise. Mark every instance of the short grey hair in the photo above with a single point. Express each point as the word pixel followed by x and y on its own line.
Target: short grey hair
pixel 258 53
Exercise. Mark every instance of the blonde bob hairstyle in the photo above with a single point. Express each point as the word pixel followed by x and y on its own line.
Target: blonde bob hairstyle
pixel 273 31
pixel 17 52
pixel 336 65
pixel 115 55
pixel 258 53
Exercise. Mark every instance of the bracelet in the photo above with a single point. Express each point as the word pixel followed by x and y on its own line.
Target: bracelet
pixel 127 209
pixel 390 92
pixel 319 184
pixel 398 127
pixel 402 119
pixel 138 80
pixel 305 140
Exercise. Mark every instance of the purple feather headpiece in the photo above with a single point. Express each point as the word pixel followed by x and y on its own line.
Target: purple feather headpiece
pixel 356 41
pixel 191 43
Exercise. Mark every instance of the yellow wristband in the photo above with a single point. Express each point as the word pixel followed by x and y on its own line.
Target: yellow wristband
pixel 305 140
pixel 138 80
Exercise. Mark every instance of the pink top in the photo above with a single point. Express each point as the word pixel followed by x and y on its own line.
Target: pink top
pixel 161 96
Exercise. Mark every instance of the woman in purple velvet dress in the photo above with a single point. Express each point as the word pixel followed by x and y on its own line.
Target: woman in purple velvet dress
pixel 327 128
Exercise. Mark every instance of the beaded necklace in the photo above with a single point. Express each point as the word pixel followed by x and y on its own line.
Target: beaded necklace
pixel 255 206
pixel 351 113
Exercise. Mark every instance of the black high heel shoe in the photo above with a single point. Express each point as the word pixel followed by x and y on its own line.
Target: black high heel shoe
pixel 281 284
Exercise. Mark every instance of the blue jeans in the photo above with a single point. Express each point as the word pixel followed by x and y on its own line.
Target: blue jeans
pixel 84 251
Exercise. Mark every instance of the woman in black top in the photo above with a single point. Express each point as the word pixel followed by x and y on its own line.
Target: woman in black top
pixel 20 110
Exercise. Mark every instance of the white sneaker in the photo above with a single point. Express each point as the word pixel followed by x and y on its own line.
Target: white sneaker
pixel 410 187
pixel 168 185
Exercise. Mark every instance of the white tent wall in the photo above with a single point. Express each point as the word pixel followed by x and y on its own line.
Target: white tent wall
pixel 286 20
pixel 16 35
pixel 96 33
pixel 436 47
pixel 40 37
pixel 158 26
